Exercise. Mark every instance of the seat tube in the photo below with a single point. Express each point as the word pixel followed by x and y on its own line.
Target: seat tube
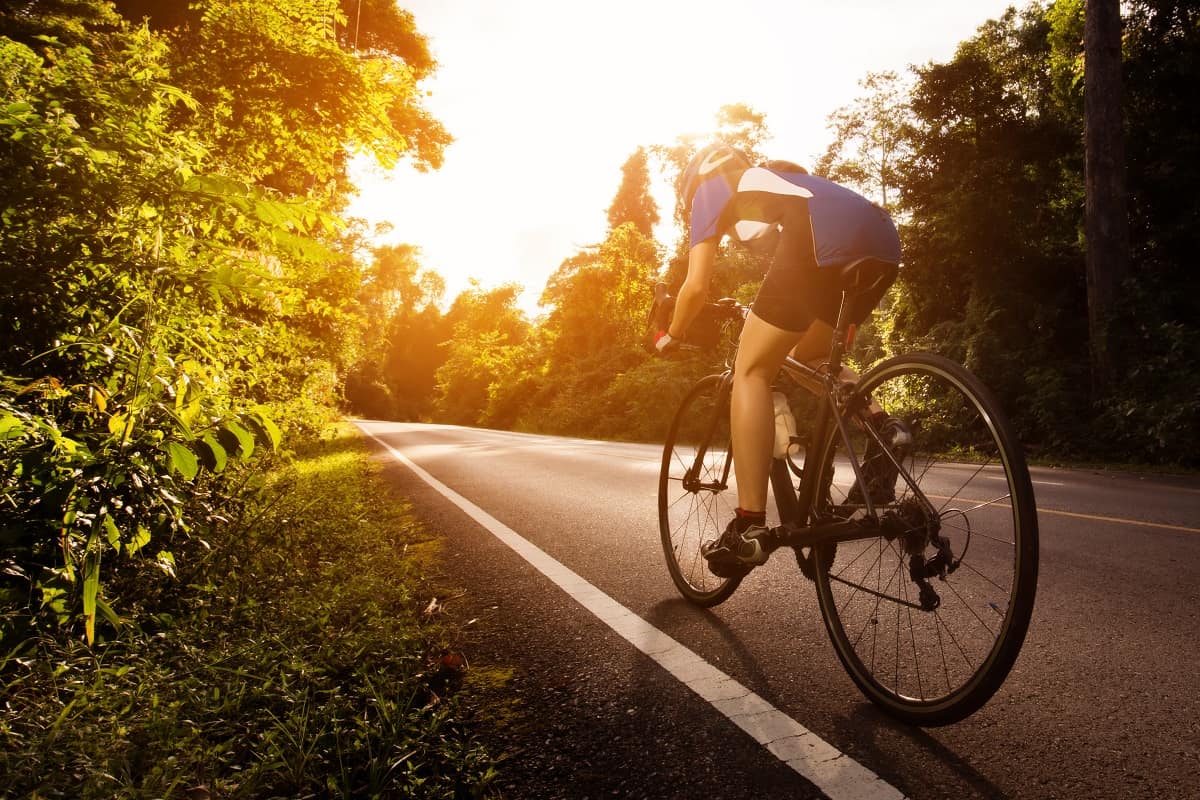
pixel 785 492
pixel 815 455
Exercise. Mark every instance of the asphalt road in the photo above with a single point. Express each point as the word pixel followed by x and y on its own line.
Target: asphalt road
pixel 1102 703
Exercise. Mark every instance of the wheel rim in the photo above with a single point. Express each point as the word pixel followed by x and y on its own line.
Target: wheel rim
pixel 944 662
pixel 694 505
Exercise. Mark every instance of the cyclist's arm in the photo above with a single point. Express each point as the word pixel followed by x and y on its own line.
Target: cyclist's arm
pixel 694 292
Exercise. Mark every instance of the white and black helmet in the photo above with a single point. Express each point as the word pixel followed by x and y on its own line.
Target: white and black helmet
pixel 719 158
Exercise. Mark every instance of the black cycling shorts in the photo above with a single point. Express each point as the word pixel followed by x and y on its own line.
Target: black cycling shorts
pixel 796 291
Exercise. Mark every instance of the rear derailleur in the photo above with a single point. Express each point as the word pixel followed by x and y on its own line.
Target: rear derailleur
pixel 918 528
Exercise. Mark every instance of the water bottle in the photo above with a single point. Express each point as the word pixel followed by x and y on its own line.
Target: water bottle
pixel 785 426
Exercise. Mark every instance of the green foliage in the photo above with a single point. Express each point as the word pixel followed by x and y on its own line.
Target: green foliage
pixel 599 303
pixel 639 404
pixel 297 663
pixel 92 309
pixel 869 139
pixel 1154 405
pixel 744 128
pixel 992 195
pixel 598 299
pixel 1163 152
pixel 164 301
pixel 1155 411
pixel 993 198
pixel 289 104
pixel 395 374
pixel 132 471
pixel 488 333
pixel 71 22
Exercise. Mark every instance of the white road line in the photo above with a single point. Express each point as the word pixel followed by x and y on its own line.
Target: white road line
pixel 1031 480
pixel 834 773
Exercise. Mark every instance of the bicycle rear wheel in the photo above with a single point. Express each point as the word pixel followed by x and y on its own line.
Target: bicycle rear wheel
pixel 964 483
pixel 694 500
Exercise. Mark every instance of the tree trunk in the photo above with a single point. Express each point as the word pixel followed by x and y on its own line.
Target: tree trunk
pixel 1106 223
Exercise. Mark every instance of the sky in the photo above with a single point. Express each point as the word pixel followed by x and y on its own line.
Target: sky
pixel 546 99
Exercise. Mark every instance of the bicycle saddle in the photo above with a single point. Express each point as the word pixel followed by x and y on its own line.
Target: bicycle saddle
pixel 866 274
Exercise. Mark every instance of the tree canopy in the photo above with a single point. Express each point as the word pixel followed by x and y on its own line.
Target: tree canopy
pixel 178 284
pixel 633 203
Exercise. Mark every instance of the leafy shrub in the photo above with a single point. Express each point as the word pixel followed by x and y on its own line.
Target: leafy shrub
pixel 89 472
pixel 298 661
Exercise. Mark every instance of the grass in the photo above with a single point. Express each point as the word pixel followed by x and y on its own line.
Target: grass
pixel 299 663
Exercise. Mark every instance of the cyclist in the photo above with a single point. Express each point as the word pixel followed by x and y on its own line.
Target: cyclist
pixel 813 226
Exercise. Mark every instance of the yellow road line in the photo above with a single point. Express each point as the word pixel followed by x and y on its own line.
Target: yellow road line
pixel 1076 515
pixel 1097 518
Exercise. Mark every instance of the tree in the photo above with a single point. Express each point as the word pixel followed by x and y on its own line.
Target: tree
pixel 71 22
pixel 741 126
pixel 598 300
pixel 173 273
pixel 382 27
pixel 869 138
pixel 1107 224
pixel 993 272
pixel 393 377
pixel 289 98
pixel 1154 338
pixel 633 202
pixel 489 333
pixel 119 382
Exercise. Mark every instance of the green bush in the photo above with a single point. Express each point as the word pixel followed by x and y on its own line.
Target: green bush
pixel 299 661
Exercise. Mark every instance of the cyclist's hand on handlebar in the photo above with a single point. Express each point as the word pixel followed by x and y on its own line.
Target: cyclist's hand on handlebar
pixel 665 343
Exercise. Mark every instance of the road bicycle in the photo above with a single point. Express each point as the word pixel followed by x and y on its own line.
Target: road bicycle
pixel 926 597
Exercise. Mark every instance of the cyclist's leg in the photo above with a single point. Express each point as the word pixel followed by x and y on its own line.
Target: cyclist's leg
pixel 761 350
pixel 775 324
pixel 814 346
pixel 813 349
pixel 879 472
pixel 780 316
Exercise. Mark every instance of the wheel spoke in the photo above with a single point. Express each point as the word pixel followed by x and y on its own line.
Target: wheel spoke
pixel 1003 589
pixel 965 484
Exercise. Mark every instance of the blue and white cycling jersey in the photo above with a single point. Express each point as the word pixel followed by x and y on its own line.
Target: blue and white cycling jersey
pixel 750 207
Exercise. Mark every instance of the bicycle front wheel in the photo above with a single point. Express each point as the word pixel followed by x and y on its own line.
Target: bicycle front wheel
pixel 963 505
pixel 694 496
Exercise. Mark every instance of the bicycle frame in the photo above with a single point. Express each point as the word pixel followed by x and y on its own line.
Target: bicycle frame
pixel 800 525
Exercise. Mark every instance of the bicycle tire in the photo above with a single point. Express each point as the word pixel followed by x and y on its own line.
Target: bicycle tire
pixel 935 667
pixel 688 516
